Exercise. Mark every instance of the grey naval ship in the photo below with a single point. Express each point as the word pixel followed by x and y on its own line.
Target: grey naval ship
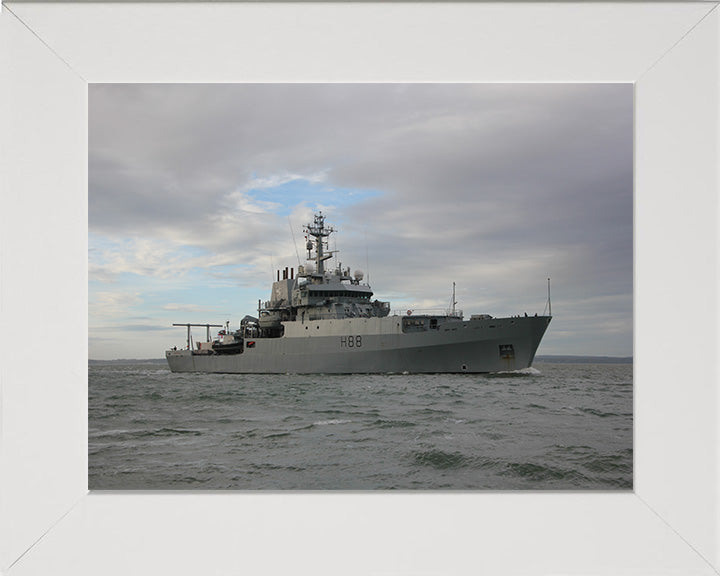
pixel 326 321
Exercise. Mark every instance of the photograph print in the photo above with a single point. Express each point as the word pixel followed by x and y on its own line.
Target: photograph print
pixel 360 286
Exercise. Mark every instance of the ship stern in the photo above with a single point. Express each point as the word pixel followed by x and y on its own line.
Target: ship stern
pixel 180 360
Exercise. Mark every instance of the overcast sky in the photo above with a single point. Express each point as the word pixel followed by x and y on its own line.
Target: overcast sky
pixel 193 190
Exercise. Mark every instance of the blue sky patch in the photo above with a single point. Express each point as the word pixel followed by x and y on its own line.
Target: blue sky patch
pixel 289 194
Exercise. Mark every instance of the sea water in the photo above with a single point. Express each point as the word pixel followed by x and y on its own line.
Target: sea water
pixel 556 426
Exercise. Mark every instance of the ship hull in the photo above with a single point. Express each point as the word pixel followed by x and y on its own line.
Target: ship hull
pixel 379 345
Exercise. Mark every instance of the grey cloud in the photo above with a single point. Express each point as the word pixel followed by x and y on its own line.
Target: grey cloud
pixel 495 186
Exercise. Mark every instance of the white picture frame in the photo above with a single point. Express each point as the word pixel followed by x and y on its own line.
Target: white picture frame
pixel 50 523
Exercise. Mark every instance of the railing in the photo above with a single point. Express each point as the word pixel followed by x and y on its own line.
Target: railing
pixel 426 311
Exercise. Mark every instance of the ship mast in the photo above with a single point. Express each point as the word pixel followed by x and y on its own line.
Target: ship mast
pixel 548 304
pixel 318 230
pixel 453 300
pixel 549 301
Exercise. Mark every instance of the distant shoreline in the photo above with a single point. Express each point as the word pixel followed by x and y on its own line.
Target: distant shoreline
pixel 585 359
pixel 539 359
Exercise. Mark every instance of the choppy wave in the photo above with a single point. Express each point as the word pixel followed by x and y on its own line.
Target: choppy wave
pixel 331 422
pixel 380 423
pixel 537 472
pixel 276 435
pixel 440 459
pixel 565 427
pixel 530 371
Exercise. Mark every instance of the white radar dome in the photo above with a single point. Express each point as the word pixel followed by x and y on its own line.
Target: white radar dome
pixel 358 275
pixel 309 268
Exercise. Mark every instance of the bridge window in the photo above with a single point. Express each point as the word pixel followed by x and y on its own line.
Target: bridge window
pixel 338 294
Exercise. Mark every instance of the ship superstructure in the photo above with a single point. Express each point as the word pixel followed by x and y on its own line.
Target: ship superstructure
pixel 316 293
pixel 326 321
